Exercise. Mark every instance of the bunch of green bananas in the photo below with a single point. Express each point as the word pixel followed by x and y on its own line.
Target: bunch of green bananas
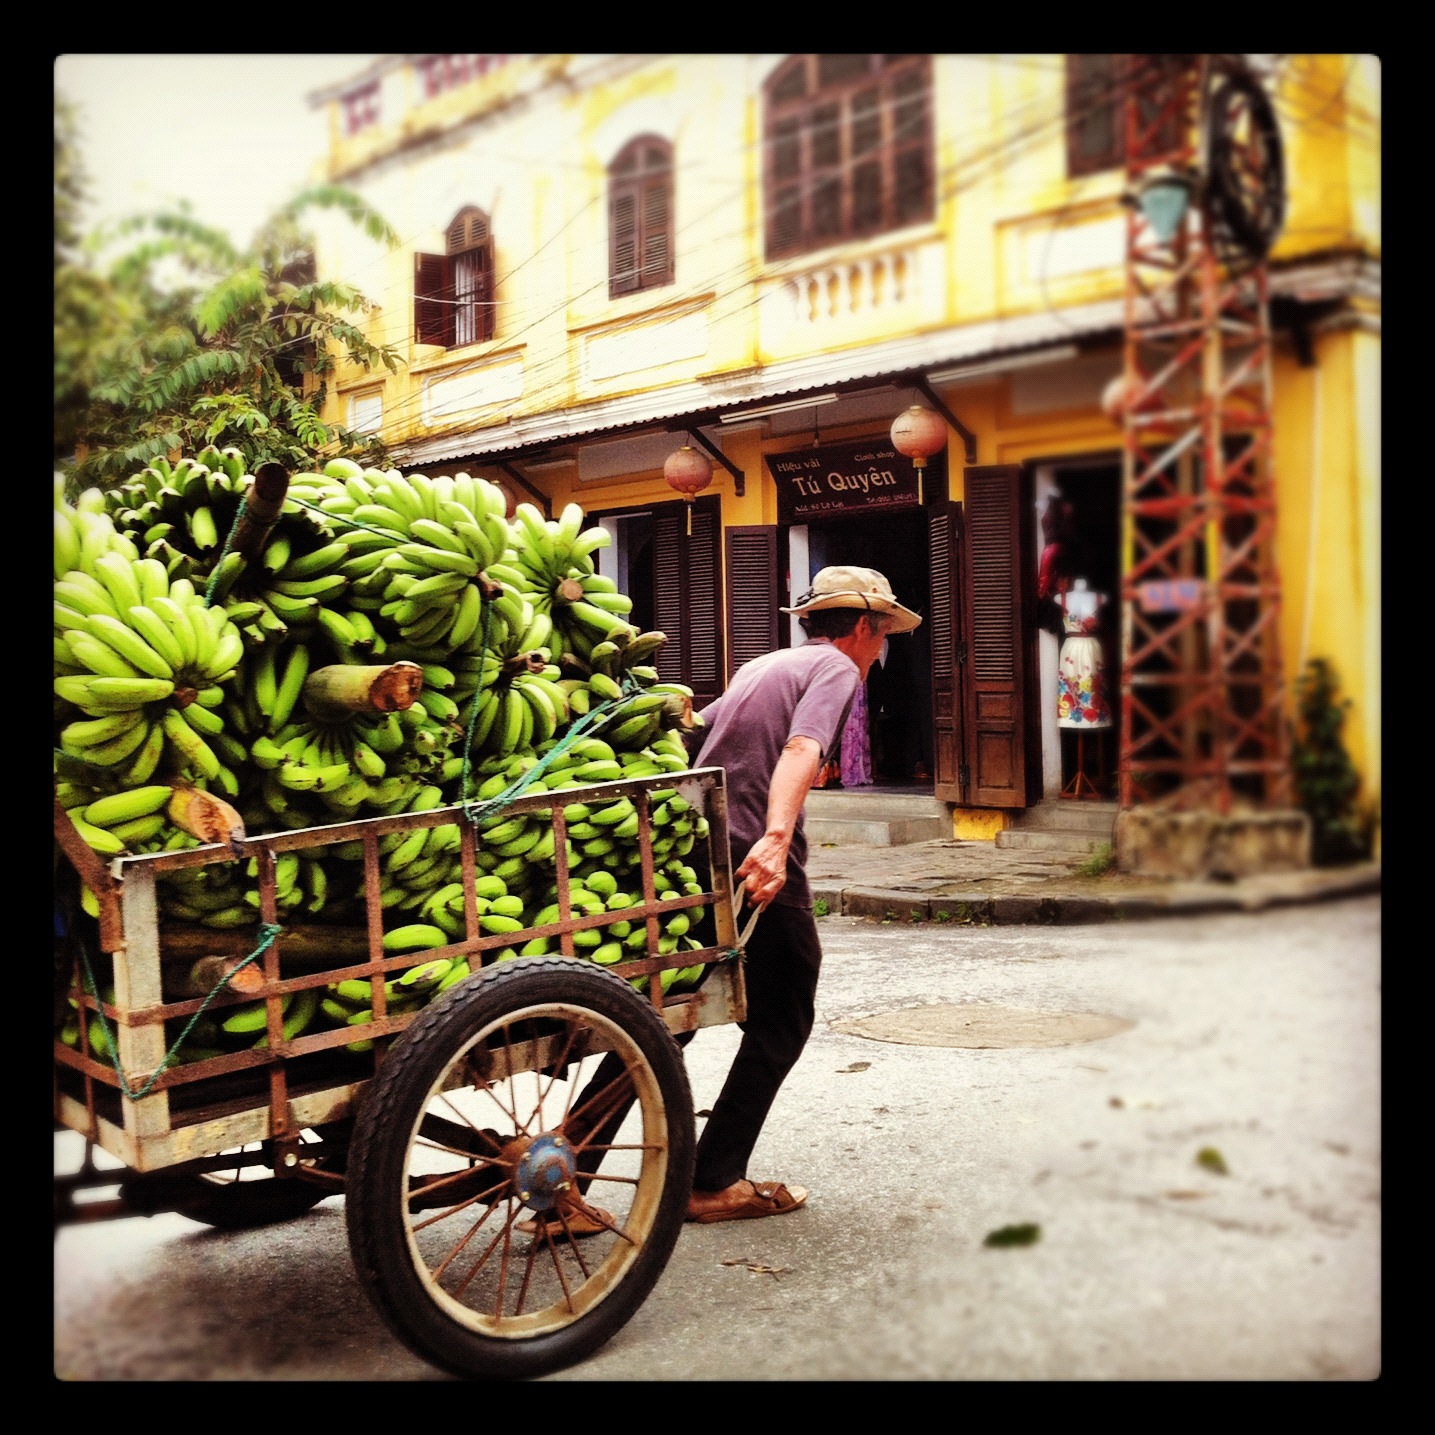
pixel 512 690
pixel 180 513
pixel 339 582
pixel 550 563
pixel 141 661
pixel 596 890
pixel 416 548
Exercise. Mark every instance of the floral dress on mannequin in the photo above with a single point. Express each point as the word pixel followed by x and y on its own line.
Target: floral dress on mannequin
pixel 1081 698
pixel 855 757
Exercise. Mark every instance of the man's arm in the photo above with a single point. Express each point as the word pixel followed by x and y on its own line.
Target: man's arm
pixel 765 866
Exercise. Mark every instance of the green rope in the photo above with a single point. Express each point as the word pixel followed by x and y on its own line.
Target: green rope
pixel 477 812
pixel 224 552
pixel 343 518
pixel 268 931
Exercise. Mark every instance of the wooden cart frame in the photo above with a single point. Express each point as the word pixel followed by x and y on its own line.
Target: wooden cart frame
pixel 164 1121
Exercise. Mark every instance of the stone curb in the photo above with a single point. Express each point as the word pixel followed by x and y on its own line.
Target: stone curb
pixel 1033 907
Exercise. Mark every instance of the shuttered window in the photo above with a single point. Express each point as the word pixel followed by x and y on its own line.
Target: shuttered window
pixel 454 291
pixel 687 596
pixel 752 585
pixel 1096 88
pixel 847 148
pixel 640 217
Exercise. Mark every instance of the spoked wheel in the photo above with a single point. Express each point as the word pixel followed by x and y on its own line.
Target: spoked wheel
pixel 243 1193
pixel 471 1152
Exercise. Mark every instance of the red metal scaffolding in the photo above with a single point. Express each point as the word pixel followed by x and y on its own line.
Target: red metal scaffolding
pixel 1202 682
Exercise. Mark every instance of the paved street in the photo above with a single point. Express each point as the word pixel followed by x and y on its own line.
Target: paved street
pixel 1254 1037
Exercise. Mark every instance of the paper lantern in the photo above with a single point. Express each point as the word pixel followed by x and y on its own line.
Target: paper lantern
pixel 1116 398
pixel 918 434
pixel 689 472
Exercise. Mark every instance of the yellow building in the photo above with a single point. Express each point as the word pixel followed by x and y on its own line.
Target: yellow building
pixel 769 258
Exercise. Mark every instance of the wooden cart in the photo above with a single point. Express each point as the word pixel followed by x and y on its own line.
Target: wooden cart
pixel 465 1122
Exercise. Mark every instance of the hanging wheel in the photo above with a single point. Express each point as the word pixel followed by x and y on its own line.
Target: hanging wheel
pixel 1246 180
pixel 477 1125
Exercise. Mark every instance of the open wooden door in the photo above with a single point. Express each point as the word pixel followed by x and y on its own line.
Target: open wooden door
pixel 996 634
pixel 949 767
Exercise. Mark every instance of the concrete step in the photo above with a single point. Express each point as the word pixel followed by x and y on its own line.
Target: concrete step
pixel 1033 839
pixel 1067 815
pixel 880 817
pixel 874 831
pixel 867 805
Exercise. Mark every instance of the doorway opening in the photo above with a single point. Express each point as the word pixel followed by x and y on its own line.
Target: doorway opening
pixel 1078 505
pixel 898 727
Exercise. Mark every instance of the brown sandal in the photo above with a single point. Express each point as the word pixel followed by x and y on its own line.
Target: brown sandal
pixel 768 1198
pixel 582 1221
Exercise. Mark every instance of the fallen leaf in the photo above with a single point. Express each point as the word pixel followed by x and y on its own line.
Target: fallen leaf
pixel 1212 1160
pixel 706 1111
pixel 1185 1195
pixel 1024 1235
pixel 1116 1101
pixel 856 1066
pixel 756 1267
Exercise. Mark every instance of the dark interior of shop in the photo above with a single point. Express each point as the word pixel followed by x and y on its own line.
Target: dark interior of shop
pixel 899 691
pixel 1094 494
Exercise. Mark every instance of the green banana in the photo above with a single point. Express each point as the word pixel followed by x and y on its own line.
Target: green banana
pixel 157 633
pixel 289 687
pixel 196 754
pixel 100 694
pixel 125 806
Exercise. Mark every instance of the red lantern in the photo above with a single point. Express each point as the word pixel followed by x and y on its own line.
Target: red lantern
pixel 689 472
pixel 918 434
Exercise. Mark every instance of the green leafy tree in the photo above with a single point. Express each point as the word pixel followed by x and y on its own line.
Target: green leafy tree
pixel 1327 784
pixel 168 337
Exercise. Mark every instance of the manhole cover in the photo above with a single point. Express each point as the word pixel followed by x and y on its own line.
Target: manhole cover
pixel 981 1027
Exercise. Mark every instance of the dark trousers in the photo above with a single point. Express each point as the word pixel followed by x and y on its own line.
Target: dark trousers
pixel 783 959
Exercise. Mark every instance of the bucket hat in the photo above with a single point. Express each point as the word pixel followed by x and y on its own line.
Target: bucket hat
pixel 850 587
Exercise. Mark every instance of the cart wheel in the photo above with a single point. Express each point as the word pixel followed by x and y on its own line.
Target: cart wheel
pixel 477 1122
pixel 239 1198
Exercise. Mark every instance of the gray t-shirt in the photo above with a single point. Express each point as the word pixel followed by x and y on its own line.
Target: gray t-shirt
pixel 794 692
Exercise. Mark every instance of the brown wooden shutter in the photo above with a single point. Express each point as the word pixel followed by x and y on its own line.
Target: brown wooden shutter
pixel 657 237
pixel 432 317
pixel 487 310
pixel 622 239
pixel 944 548
pixel 687 596
pixel 995 623
pixel 753 594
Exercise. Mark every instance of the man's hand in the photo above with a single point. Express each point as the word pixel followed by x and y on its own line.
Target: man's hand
pixel 764 869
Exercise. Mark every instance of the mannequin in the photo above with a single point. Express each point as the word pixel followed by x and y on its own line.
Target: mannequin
pixel 1081 700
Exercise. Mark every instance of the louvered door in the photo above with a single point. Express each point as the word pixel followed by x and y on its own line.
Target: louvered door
pixel 944 547
pixel 687 596
pixel 997 631
pixel 753 594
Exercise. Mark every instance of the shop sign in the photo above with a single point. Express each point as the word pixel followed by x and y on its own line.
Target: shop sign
pixel 841 478
pixel 1171 595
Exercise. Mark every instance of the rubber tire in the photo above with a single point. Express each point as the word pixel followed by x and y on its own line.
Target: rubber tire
pixel 377 1180
pixel 241 1205
pixel 1255 234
